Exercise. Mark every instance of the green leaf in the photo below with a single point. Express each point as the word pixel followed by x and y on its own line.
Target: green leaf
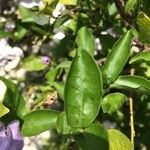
pixel 64 64
pixel 59 86
pixel 83 90
pixel 32 17
pixel 135 83
pixel 20 33
pixel 85 40
pixel 38 121
pixel 51 75
pixel 143 22
pixel 3 90
pixel 113 102
pixel 33 63
pixel 4 34
pixel 143 56
pixel 118 141
pixel 61 20
pixel 3 110
pixel 62 125
pixel 39 29
pixel 49 2
pixel 68 2
pixel 117 58
pixel 48 7
pixel 13 99
pixel 94 137
pixel 130 5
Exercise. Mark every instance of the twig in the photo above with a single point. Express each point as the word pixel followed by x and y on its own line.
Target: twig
pixel 127 19
pixel 132 116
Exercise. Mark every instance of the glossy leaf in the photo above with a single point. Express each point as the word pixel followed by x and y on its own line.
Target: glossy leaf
pixel 94 137
pixel 143 56
pixel 3 110
pixel 13 99
pixel 134 83
pixel 38 121
pixel 83 90
pixel 130 5
pixel 118 141
pixel 33 63
pixel 85 40
pixel 117 58
pixel 68 2
pixel 143 22
pixel 113 102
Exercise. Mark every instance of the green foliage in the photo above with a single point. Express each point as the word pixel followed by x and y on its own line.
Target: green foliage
pixel 117 58
pixel 143 22
pixel 113 102
pixel 118 141
pixel 132 83
pixel 96 134
pixel 28 16
pixel 83 90
pixel 33 63
pixel 68 2
pixel 76 61
pixel 85 40
pixel 4 110
pixel 38 121
pixel 143 56
pixel 13 100
pixel 62 125
pixel 59 86
pixel 130 5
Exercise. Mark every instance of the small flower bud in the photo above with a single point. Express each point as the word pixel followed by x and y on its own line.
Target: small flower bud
pixel 45 60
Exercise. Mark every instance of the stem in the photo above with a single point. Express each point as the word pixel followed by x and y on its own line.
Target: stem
pixel 126 18
pixel 132 116
pixel 132 122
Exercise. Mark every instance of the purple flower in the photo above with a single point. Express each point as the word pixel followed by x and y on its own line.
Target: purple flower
pixel 10 138
pixel 45 60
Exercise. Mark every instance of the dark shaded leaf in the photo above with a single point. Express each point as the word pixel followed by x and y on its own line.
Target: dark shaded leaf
pixel 94 137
